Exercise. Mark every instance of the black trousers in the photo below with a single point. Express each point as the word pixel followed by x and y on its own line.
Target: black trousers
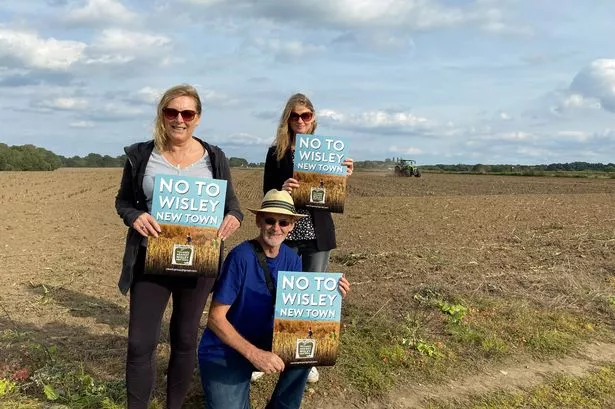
pixel 149 296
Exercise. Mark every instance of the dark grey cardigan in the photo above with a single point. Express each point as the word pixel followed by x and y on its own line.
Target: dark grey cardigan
pixel 130 201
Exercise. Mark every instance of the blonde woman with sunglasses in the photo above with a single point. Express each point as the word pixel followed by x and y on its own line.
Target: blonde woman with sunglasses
pixel 313 236
pixel 173 150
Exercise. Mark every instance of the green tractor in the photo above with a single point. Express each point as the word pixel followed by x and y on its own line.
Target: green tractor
pixel 406 167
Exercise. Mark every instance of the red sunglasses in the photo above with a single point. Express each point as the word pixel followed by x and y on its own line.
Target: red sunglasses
pixel 306 116
pixel 171 113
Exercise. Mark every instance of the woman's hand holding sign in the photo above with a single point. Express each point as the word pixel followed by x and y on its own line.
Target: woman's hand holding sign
pixel 229 225
pixel 290 184
pixel 349 163
pixel 146 225
pixel 344 286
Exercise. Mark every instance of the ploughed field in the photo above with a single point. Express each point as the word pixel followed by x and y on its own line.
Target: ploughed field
pixel 505 248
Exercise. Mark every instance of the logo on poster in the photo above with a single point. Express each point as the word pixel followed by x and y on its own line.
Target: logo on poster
pixel 317 194
pixel 306 348
pixel 182 254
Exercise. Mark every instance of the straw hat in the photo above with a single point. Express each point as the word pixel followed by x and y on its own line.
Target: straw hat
pixel 278 202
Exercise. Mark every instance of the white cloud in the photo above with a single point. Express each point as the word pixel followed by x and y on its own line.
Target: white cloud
pixel 119 110
pixel 29 49
pixel 82 124
pixel 580 136
pixel 592 89
pixel 149 95
pixel 211 98
pixel 286 50
pixel 21 49
pixel 494 21
pixel 116 108
pixel 534 152
pixel 380 118
pixel 418 14
pixel 515 136
pixel 408 150
pixel 99 12
pixel 119 40
pixel 117 47
pixel 331 114
pixel 205 2
pixel 246 139
pixel 486 134
pixel 404 15
pixel 239 140
pixel 377 121
pixel 377 41
pixel 606 135
pixel 596 81
pixel 64 103
pixel 572 101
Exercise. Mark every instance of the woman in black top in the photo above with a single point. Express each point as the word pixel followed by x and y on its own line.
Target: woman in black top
pixel 175 150
pixel 314 236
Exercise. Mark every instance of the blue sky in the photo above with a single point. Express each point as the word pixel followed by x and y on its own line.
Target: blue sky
pixel 439 81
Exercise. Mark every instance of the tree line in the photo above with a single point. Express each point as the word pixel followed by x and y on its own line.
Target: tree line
pixel 30 157
pixel 389 164
pixel 523 169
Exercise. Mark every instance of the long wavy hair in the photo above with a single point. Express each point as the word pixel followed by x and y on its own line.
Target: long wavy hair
pixel 285 136
pixel 182 90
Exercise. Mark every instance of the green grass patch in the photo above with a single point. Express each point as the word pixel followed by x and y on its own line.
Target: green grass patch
pixel 360 357
pixel 594 391
pixel 349 259
pixel 441 336
pixel 375 352
pixel 35 375
pixel 544 333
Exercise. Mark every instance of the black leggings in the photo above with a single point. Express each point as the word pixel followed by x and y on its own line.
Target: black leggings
pixel 149 296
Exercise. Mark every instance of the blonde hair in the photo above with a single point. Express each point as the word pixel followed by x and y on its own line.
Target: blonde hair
pixel 285 135
pixel 182 90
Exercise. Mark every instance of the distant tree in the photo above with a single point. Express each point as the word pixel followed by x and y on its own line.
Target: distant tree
pixel 4 156
pixel 479 168
pixel 237 162
pixel 73 162
pixel 108 161
pixel 94 160
pixel 28 157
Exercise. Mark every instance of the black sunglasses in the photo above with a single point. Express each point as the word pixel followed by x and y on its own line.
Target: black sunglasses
pixel 171 113
pixel 272 221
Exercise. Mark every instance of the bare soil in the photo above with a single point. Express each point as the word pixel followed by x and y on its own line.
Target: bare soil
pixel 547 241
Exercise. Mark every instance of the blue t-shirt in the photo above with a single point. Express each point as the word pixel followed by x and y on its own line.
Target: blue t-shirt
pixel 242 285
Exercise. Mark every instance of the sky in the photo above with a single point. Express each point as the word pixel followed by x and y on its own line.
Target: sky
pixel 438 81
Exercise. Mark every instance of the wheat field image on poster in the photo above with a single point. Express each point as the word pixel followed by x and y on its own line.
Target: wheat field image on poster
pixel 311 342
pixel 184 250
pixel 318 190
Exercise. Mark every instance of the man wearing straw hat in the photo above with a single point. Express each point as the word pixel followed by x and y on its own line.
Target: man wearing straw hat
pixel 239 331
